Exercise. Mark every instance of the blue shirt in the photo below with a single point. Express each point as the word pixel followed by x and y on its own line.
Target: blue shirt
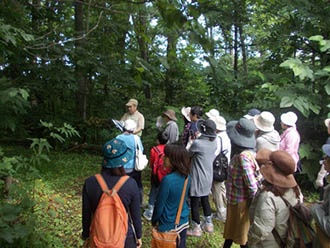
pixel 168 200
pixel 130 143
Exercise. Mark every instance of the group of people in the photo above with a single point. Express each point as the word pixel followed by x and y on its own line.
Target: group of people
pixel 262 164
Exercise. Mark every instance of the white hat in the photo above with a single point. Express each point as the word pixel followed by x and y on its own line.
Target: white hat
pixel 185 111
pixel 265 121
pixel 289 118
pixel 220 122
pixel 130 125
pixel 213 113
pixel 327 122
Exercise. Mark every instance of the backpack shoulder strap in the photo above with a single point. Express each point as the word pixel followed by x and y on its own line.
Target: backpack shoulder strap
pixel 220 144
pixel 102 183
pixel 157 150
pixel 119 184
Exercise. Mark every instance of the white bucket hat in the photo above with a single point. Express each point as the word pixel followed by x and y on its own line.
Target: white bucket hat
pixel 327 123
pixel 289 119
pixel 185 111
pixel 265 121
pixel 130 125
pixel 220 122
pixel 212 114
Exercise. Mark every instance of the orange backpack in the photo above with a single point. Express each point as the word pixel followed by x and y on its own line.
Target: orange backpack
pixel 110 223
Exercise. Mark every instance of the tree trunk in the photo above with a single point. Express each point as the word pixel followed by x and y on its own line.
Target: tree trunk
pixel 80 77
pixel 243 48
pixel 171 59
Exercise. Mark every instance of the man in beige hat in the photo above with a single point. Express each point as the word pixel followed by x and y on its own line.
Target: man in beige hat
pixel 171 131
pixel 134 114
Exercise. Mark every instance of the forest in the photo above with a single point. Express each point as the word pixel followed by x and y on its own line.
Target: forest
pixel 68 67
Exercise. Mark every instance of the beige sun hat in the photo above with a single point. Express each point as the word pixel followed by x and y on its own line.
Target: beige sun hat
pixel 327 122
pixel 132 102
pixel 170 113
pixel 289 119
pixel 220 122
pixel 265 121
pixel 185 111
pixel 212 113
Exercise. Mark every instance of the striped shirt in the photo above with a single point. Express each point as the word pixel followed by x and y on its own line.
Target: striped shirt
pixel 244 178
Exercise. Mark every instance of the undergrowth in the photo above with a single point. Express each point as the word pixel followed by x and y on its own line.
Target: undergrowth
pixel 56 196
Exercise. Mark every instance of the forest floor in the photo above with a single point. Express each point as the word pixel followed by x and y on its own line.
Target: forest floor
pixel 57 194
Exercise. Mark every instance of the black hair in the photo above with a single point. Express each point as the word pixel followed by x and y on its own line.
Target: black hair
pixel 120 171
pixel 161 138
pixel 179 157
pixel 197 110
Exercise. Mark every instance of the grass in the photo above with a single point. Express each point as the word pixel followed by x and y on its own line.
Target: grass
pixel 57 194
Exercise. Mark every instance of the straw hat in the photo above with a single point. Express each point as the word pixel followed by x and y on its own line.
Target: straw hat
pixel 170 113
pixel 279 169
pixel 185 111
pixel 289 119
pixel 242 132
pixel 265 121
pixel 114 154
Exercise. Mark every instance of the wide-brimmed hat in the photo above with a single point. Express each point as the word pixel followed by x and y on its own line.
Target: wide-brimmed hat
pixel 251 113
pixel 326 149
pixel 130 125
pixel 207 128
pixel 170 113
pixel 212 113
pixel 279 169
pixel 185 111
pixel 289 119
pixel 265 121
pixel 242 132
pixel 327 122
pixel 220 122
pixel 262 156
pixel 132 102
pixel 114 154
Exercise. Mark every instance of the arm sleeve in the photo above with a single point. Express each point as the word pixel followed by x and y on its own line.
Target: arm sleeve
pixel 86 213
pixel 134 208
pixel 140 124
pixel 249 175
pixel 160 201
pixel 264 219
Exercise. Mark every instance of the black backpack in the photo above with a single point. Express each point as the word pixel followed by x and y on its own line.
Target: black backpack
pixel 220 166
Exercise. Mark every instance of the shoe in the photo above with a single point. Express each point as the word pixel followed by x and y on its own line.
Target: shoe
pixel 196 231
pixel 147 214
pixel 208 227
pixel 207 224
pixel 218 217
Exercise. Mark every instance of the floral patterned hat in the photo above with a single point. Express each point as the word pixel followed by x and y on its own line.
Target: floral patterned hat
pixel 114 154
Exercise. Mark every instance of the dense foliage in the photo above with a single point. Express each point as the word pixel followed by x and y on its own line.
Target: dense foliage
pixel 67 67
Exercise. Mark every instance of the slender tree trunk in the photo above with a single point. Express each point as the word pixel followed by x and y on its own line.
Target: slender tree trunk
pixel 80 77
pixel 242 40
pixel 171 59
pixel 143 45
pixel 235 67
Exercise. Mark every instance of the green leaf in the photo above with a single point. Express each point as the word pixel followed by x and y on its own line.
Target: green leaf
pixel 327 88
pixel 316 38
pixel 286 102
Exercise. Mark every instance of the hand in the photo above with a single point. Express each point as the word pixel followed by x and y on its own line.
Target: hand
pixel 139 243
